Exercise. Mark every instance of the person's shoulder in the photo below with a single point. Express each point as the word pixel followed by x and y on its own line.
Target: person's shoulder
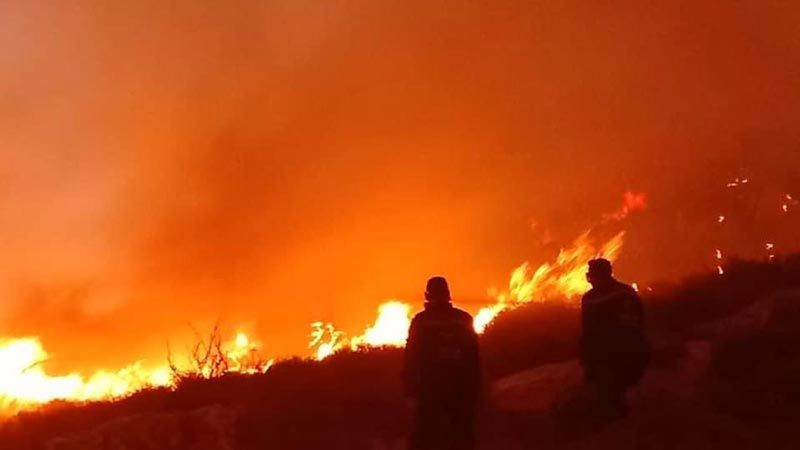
pixel 626 288
pixel 462 315
pixel 420 316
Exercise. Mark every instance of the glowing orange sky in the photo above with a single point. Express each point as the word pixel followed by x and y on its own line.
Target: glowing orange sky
pixel 276 163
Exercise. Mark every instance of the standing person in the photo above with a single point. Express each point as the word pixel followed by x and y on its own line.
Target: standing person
pixel 614 352
pixel 442 373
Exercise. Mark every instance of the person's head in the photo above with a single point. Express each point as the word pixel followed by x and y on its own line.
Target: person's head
pixel 600 271
pixel 437 291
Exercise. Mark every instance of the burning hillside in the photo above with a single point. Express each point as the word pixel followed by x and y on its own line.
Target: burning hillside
pixel 24 383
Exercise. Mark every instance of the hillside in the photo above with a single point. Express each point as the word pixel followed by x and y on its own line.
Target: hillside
pixel 724 374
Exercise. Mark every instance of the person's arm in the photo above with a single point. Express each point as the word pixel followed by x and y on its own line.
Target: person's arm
pixel 411 361
pixel 630 314
pixel 475 359
pixel 583 341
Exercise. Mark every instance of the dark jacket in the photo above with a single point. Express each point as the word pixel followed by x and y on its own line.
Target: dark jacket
pixel 441 355
pixel 613 338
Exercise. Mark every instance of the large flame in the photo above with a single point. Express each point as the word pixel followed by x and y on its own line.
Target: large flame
pixel 24 383
pixel 389 329
pixel 564 278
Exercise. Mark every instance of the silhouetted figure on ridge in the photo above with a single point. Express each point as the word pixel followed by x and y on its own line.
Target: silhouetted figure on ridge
pixel 442 373
pixel 614 352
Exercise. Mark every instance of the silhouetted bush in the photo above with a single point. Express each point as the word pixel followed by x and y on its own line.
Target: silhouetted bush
pixel 531 335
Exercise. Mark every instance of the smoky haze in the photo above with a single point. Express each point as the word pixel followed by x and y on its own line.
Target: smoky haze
pixel 276 163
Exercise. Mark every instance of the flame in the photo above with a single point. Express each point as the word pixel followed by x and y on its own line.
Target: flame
pixel 486 315
pixel 631 201
pixel 563 278
pixel 720 219
pixel 242 340
pixel 243 356
pixel 326 339
pixel 25 384
pixel 390 328
pixel 719 254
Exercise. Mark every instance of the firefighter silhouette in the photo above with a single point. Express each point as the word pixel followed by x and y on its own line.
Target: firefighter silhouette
pixel 442 373
pixel 614 352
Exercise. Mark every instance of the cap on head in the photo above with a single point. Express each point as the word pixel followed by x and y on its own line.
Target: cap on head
pixel 600 268
pixel 437 290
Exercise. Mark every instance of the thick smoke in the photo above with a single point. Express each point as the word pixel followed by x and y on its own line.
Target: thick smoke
pixel 275 163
